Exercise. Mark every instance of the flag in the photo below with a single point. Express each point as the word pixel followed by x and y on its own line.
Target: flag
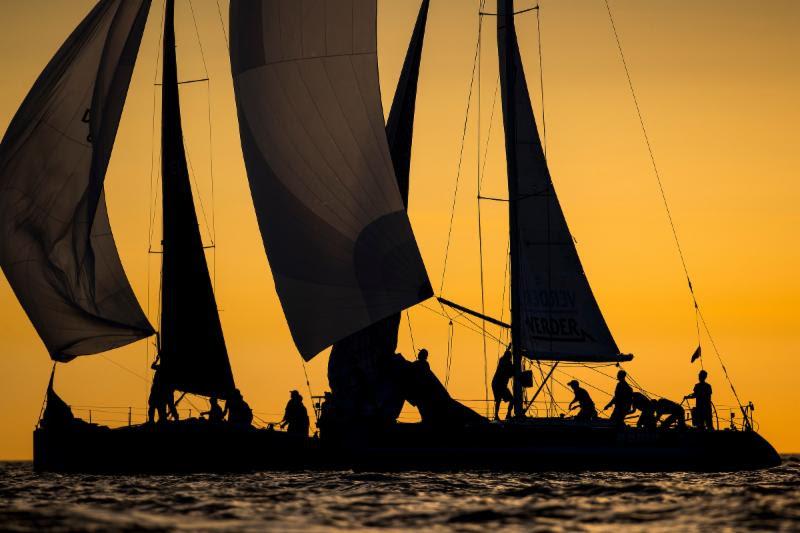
pixel 697 353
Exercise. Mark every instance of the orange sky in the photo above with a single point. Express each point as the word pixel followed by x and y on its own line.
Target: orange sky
pixel 717 82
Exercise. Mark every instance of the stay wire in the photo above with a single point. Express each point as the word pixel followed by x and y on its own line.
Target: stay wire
pixel 461 154
pixel 666 205
pixel 480 227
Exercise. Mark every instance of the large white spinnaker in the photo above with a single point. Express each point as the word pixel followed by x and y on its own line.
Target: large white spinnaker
pixel 338 239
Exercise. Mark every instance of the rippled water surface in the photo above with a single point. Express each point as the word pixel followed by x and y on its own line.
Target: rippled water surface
pixel 762 500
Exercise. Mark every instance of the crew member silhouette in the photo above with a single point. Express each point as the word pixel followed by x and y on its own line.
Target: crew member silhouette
pixel 623 394
pixel 674 412
pixel 161 397
pixel 214 413
pixel 239 413
pixel 701 414
pixel 583 400
pixel 643 404
pixel 295 416
pixel 500 390
pixel 327 414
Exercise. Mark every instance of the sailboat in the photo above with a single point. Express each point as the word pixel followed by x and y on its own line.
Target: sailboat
pixel 329 182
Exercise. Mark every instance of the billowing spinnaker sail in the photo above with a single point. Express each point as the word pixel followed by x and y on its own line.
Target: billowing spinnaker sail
pixel 56 246
pixel 554 313
pixel 358 366
pixel 339 242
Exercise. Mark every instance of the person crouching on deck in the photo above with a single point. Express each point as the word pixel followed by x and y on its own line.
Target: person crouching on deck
pixel 583 401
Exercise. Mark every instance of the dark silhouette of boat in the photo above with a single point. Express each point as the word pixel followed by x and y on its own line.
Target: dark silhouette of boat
pixel 329 182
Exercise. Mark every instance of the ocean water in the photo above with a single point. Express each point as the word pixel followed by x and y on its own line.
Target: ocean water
pixel 476 501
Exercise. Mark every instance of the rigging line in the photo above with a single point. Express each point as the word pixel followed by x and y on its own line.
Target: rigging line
pixel 410 331
pixel 666 205
pixel 310 394
pixel 123 367
pixel 193 176
pixel 471 326
pixel 461 154
pixel 541 80
pixel 222 25
pixel 197 33
pixel 503 295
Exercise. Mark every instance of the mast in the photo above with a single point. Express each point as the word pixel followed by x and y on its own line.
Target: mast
pixel 506 41
pixel 193 354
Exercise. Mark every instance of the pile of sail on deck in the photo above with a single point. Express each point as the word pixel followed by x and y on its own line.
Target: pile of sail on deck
pixel 340 245
pixel 555 315
pixel 192 347
pixel 56 246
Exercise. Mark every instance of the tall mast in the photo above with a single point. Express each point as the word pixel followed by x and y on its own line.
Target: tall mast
pixel 506 41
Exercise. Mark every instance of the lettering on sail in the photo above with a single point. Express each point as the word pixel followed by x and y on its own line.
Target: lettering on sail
pixel 551 315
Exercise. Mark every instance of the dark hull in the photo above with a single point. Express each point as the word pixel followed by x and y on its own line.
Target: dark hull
pixel 532 445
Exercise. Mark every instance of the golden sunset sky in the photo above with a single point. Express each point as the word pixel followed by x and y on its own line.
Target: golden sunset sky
pixel 718 83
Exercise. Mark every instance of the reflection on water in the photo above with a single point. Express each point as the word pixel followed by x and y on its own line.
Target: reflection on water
pixel 345 500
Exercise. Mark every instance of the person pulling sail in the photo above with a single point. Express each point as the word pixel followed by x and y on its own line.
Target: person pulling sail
pixel 215 413
pixel 701 414
pixel 583 401
pixel 623 395
pixel 500 390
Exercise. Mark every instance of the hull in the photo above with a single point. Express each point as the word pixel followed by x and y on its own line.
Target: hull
pixel 530 445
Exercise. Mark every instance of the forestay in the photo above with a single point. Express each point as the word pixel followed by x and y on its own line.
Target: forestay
pixel 56 246
pixel 554 311
pixel 339 242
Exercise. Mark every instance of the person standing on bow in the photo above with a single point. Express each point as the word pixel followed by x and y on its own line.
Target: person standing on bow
pixel 623 397
pixel 500 390
pixel 701 418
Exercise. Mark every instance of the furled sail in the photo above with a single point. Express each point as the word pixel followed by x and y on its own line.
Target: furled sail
pixel 56 246
pixel 339 242
pixel 554 313
pixel 193 354
pixel 358 367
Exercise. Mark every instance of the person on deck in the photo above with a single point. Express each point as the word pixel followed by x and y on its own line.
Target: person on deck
pixel 327 414
pixel 701 414
pixel 623 395
pixel 644 405
pixel 161 397
pixel 675 415
pixel 215 413
pixel 295 416
pixel 239 413
pixel 583 401
pixel 500 390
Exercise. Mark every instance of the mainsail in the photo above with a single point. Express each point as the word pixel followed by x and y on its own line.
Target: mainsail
pixel 192 349
pixel 339 242
pixel 56 246
pixel 554 314
pixel 358 366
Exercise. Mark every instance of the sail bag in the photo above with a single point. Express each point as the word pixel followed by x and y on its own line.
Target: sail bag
pixel 554 311
pixel 340 245
pixel 56 246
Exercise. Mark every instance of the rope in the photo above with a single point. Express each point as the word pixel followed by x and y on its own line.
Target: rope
pixel 450 335
pixel 222 25
pixel 461 153
pixel 666 207
pixel 410 331
pixel 310 394
pixel 480 228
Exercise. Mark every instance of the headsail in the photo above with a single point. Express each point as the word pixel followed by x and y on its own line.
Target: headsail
pixel 56 246
pixel 554 314
pixel 339 242
pixel 357 361
pixel 193 354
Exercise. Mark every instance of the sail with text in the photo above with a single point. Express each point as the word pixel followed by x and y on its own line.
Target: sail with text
pixel 339 242
pixel 554 314
pixel 192 347
pixel 56 245
pixel 357 367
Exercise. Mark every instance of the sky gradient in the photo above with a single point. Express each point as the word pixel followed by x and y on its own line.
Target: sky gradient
pixel 717 83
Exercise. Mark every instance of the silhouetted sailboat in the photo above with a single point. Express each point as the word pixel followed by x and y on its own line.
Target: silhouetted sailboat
pixel 329 183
